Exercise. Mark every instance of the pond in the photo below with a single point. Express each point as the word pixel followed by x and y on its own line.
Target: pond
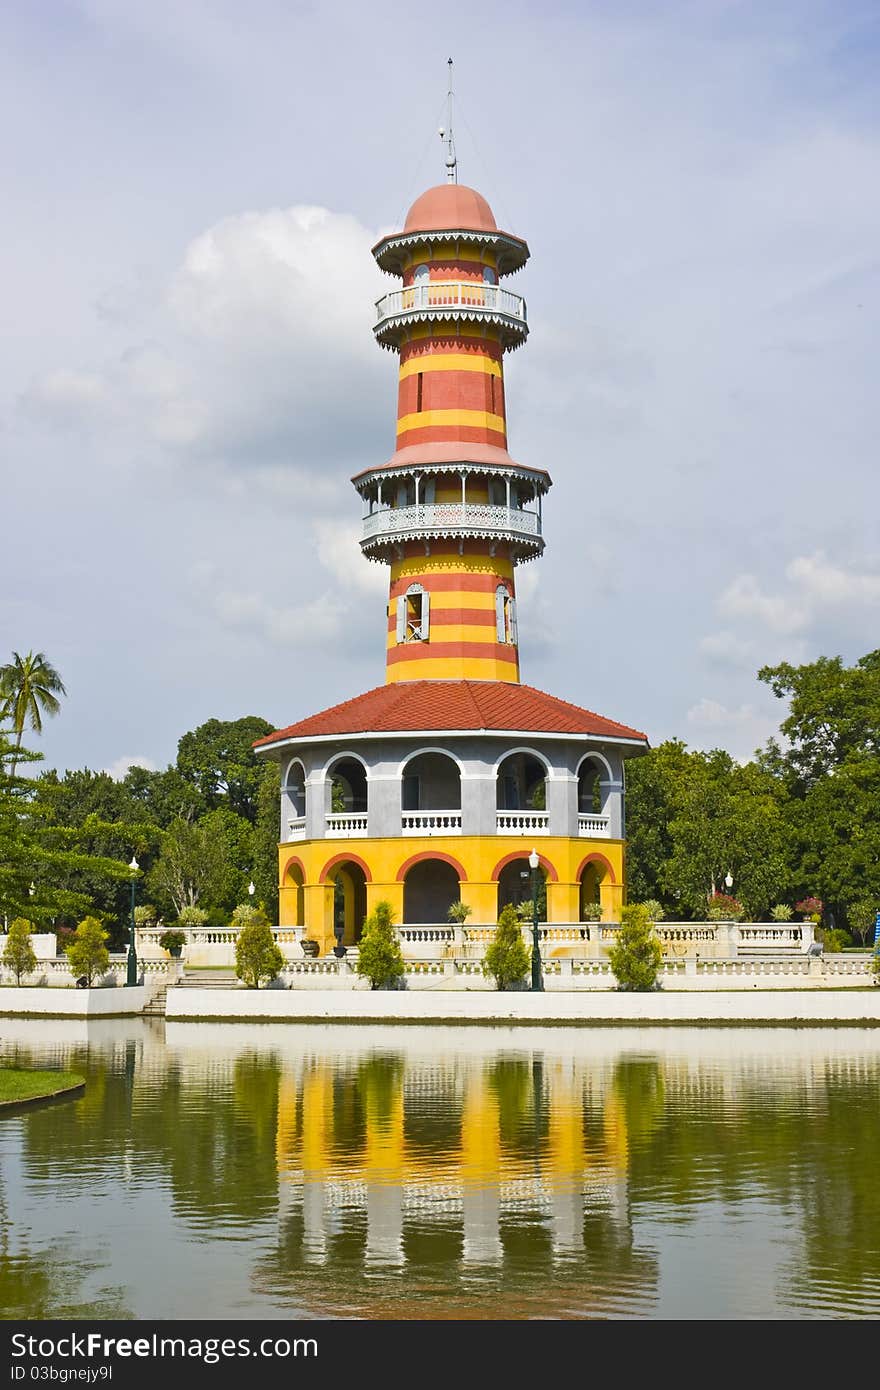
pixel 275 1171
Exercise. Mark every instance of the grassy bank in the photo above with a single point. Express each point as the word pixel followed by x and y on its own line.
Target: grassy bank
pixel 19 1086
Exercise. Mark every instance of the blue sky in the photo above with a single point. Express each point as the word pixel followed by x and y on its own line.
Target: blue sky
pixel 189 378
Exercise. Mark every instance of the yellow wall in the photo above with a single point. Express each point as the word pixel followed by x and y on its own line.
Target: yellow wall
pixel 478 856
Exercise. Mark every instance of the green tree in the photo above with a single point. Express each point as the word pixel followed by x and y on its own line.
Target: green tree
pixel 218 759
pixel 507 958
pixel 190 868
pixel 862 917
pixel 45 872
pixel 266 840
pixel 379 955
pixel 18 953
pixel 29 688
pixel 257 957
pixel 834 715
pixel 636 955
pixel 88 954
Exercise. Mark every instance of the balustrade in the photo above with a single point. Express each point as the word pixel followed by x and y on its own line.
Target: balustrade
pixel 351 825
pixel 431 822
pixel 522 822
pixel 594 827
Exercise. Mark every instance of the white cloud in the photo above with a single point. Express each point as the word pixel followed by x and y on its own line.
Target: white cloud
pixel 260 352
pixel 340 553
pixel 711 714
pixel 826 584
pixel 744 599
pixel 725 649
pixel 299 625
pixel 119 768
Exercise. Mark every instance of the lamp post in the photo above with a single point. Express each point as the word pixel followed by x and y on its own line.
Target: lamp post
pixel 131 977
pixel 537 981
pixel 251 890
pixel 728 880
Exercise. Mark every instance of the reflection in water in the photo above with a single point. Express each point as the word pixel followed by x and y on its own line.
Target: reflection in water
pixel 274 1171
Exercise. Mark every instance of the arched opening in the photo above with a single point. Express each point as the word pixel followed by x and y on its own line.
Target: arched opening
pixel 348 787
pixel 591 878
pixel 293 880
pixel 430 782
pixel 429 890
pixel 592 776
pixel 294 819
pixel 522 783
pixel 515 886
pixel 349 902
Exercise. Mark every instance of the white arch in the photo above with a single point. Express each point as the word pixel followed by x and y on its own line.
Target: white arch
pixel 444 752
pixel 533 752
pixel 286 783
pixel 599 758
pixel 337 757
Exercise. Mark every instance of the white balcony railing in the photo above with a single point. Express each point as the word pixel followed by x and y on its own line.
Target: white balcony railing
pixel 439 298
pixel 351 825
pixel 478 517
pixel 593 827
pixel 522 823
pixel 296 829
pixel 431 822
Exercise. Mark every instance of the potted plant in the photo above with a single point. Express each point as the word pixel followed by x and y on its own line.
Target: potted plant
pixel 459 912
pixel 173 942
pixel 310 947
pixel 591 912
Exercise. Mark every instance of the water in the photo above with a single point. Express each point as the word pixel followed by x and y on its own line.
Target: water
pixel 238 1171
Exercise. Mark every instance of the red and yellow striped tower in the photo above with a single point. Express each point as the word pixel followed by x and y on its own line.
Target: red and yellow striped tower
pixel 451 512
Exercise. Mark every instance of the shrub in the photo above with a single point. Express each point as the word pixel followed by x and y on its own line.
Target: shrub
pixel 88 954
pixel 810 907
pixel 244 913
pixel 146 916
pixel 459 912
pixel 192 917
pixel 875 967
pixel 257 956
pixel 724 908
pixel 172 941
pixel 835 939
pixel 64 937
pixel 18 953
pixel 656 911
pixel 379 956
pixel 781 913
pixel 591 912
pixel 507 958
pixel 635 956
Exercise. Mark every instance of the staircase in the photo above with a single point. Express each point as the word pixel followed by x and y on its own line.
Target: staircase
pixel 194 978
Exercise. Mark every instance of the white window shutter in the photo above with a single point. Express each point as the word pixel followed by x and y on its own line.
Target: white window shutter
pixel 401 618
pixel 500 596
pixel 426 615
pixel 511 617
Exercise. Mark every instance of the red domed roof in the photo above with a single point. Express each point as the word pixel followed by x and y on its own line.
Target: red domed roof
pixel 452 207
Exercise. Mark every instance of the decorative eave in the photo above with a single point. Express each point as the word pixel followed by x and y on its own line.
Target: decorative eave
pixel 390 252
pixel 388 331
pixel 537 477
pixel 524 546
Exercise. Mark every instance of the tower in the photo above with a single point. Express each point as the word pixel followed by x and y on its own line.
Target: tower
pixel 451 512
pixel 432 789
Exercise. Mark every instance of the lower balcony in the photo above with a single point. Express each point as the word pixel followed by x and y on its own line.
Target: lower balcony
pixel 522 823
pixel 593 827
pixel 430 823
pixel 350 825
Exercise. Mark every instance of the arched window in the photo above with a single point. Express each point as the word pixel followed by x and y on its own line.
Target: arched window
pixel 505 616
pixel 413 614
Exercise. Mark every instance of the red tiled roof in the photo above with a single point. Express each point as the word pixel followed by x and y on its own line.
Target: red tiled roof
pixel 468 706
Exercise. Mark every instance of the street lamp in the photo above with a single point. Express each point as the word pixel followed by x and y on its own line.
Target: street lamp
pixel 251 889
pixel 32 890
pixel 131 977
pixel 728 880
pixel 537 982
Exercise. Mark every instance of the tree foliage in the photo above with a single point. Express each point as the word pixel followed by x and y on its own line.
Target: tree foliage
pixel 18 953
pixel 636 955
pixel 29 688
pixel 219 760
pixel 87 953
pixel 257 957
pixel 507 957
pixel 379 956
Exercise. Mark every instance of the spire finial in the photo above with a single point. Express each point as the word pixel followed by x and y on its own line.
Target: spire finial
pixel 451 161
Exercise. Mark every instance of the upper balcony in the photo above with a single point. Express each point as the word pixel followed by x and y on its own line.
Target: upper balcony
pixel 433 520
pixel 451 299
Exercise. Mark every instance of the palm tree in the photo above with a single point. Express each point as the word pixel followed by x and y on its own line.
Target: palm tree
pixel 29 687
